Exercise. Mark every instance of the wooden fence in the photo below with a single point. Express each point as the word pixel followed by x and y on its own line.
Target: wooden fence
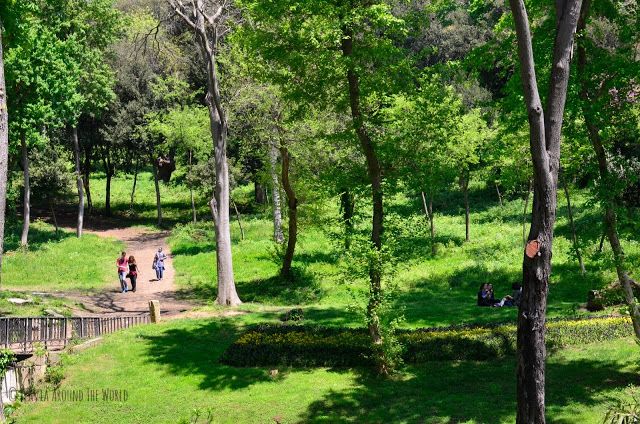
pixel 23 335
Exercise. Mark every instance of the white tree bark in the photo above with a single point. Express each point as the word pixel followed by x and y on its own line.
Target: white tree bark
pixel 278 235
pixel 209 27
pixel 80 184
pixel 4 152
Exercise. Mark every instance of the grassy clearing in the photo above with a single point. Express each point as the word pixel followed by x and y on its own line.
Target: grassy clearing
pixel 172 368
pixel 435 289
pixel 58 262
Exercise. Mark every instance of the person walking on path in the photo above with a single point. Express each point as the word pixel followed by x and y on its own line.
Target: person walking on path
pixel 158 263
pixel 121 263
pixel 133 273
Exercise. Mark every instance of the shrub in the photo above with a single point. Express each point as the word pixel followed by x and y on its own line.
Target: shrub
pixel 296 314
pixel 308 346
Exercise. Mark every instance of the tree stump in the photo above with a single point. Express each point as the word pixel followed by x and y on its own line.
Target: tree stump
pixel 154 310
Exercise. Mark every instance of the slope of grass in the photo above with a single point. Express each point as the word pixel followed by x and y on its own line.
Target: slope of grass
pixel 171 368
pixel 435 289
pixel 58 262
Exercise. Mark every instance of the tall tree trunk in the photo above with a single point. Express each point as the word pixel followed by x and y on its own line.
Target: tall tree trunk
pixel 604 235
pixel 524 214
pixel 464 185
pixel 87 174
pixel 610 219
pixel 545 129
pixel 347 207
pixel 292 203
pixel 107 200
pixel 574 236
pixel 428 212
pixel 26 196
pixel 278 235
pixel 235 207
pixel 157 187
pixel 4 152
pixel 374 171
pixel 135 184
pixel 76 154
pixel 207 33
pixel 193 201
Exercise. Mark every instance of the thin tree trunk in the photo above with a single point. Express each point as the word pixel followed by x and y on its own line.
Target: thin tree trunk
pixel 574 236
pixel 53 214
pixel 259 193
pixel 428 212
pixel 76 154
pixel 107 202
pixel 193 201
pixel 278 235
pixel 464 184
pixel 524 215
pixel 499 194
pixel 26 197
pixel 235 207
pixel 135 183
pixel 347 207
pixel 4 153
pixel 604 235
pixel 545 129
pixel 87 174
pixel 292 203
pixel 610 218
pixel 374 172
pixel 157 187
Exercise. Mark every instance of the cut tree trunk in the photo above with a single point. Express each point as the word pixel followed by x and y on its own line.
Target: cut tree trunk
pixel 4 152
pixel 278 235
pixel 545 127
pixel 292 203
pixel 156 184
pixel 80 185
pixel 574 236
pixel 374 172
pixel 610 219
pixel 26 194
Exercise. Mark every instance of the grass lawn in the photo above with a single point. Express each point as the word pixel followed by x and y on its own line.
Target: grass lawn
pixel 59 262
pixel 172 368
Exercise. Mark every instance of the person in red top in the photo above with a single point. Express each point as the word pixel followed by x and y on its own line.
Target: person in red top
pixel 122 265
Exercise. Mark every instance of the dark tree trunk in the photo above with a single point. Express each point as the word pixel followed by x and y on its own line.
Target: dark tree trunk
pixel 574 236
pixel 610 219
pixel 545 128
pixel 26 194
pixel 374 171
pixel 278 235
pixel 80 185
pixel 292 203
pixel 52 207
pixel 347 206
pixel 156 183
pixel 135 183
pixel 107 201
pixel 87 174
pixel 604 235
pixel 4 152
pixel 259 193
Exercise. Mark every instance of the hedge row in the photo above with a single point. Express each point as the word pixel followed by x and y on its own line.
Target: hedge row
pixel 308 346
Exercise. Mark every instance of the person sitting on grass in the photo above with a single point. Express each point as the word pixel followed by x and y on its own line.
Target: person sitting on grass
pixel 121 263
pixel 485 295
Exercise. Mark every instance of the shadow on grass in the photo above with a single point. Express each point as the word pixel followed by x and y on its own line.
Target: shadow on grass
pixel 302 288
pixel 38 236
pixel 195 351
pixel 452 392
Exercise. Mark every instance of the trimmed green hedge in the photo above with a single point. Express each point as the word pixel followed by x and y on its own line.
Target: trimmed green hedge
pixel 308 346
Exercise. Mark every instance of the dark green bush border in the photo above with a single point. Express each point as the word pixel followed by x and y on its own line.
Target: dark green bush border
pixel 312 346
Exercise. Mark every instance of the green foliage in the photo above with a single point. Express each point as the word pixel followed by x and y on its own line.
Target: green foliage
pixel 311 346
pixel 7 357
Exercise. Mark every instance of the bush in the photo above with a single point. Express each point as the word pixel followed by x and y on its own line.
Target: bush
pixel 308 346
pixel 296 314
pixel 609 296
